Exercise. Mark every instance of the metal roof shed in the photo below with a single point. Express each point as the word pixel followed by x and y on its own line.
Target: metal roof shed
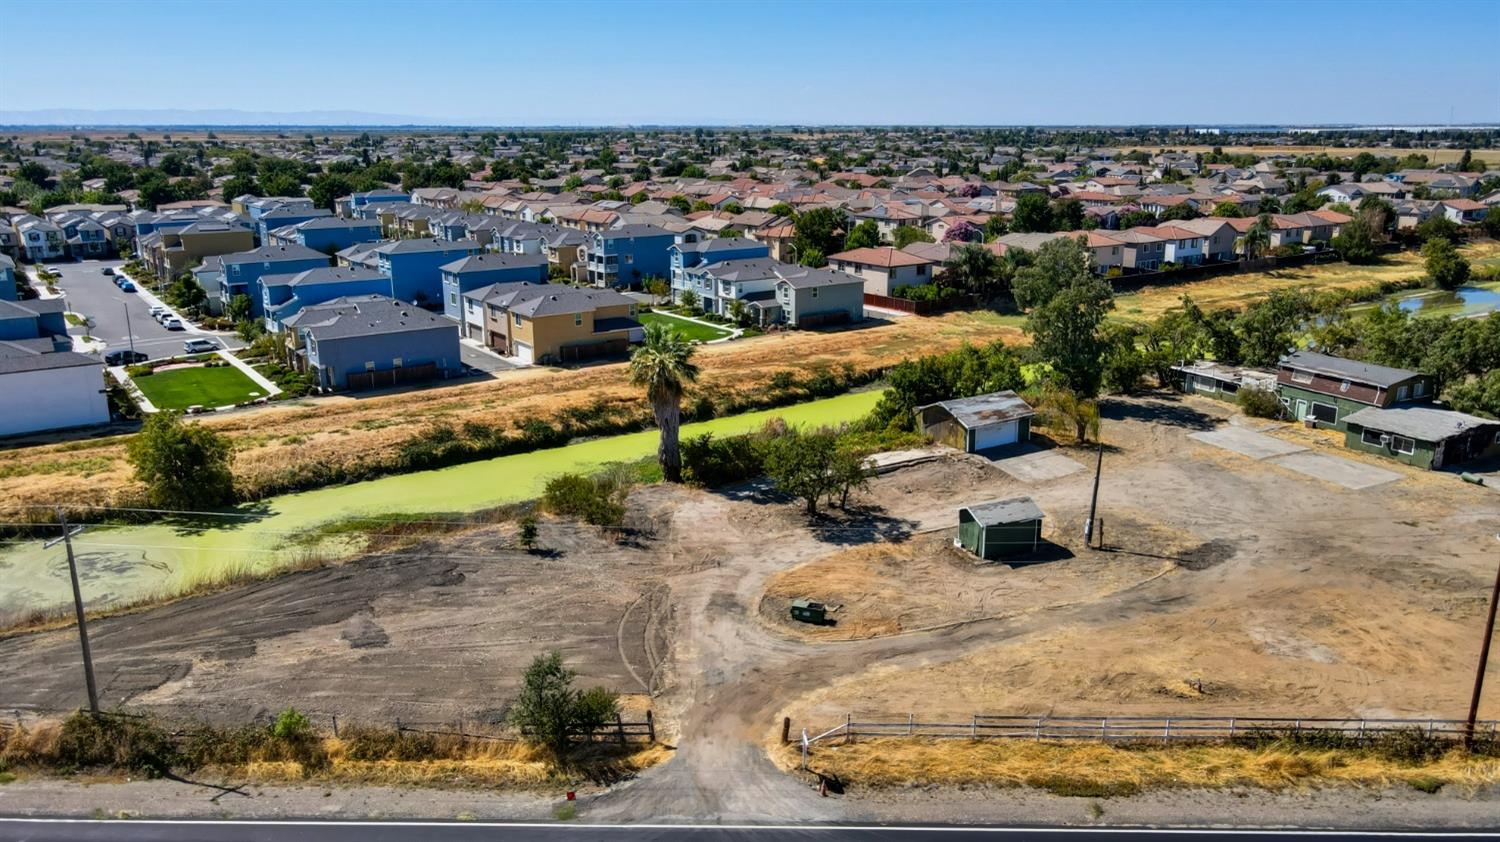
pixel 977 423
pixel 1000 528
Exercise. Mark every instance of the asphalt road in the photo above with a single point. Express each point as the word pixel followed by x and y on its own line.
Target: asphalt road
pixel 55 830
pixel 90 292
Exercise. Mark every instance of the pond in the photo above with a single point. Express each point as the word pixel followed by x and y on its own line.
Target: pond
pixel 130 562
pixel 1466 301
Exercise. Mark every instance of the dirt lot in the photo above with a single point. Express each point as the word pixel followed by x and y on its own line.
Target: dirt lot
pixel 1233 585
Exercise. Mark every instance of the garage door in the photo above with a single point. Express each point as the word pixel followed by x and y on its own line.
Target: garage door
pixel 523 352
pixel 987 437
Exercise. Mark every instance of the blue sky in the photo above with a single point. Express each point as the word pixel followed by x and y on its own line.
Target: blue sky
pixel 762 61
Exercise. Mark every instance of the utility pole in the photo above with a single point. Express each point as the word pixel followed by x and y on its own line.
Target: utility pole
pixel 83 630
pixel 129 334
pixel 1484 659
pixel 1088 525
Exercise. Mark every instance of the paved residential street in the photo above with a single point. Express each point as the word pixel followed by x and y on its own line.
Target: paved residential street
pixel 56 830
pixel 92 293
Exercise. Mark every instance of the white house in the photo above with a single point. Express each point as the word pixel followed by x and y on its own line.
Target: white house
pixel 62 388
pixel 1182 246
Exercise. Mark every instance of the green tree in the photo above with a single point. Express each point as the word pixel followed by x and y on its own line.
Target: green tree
pixel 237 309
pixel 801 464
pixel 1226 209
pixel 1358 241
pixel 864 235
pixel 663 366
pixel 681 203
pixel 1065 332
pixel 820 229
pixel 1057 264
pixel 326 188
pixel 1268 329
pixel 973 269
pixel 1439 227
pixel 905 235
pixel 1445 266
pixel 1032 214
pixel 1257 239
pixel 550 711
pixel 184 467
pixel 1479 396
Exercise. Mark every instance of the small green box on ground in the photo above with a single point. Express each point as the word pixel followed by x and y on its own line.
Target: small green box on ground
pixel 807 611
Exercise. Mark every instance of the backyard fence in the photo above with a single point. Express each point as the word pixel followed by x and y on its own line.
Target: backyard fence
pixel 1137 729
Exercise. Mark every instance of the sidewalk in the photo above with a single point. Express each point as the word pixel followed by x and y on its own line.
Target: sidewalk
pixel 152 300
pixel 228 356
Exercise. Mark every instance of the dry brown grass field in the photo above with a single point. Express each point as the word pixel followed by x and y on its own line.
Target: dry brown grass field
pixel 1435 156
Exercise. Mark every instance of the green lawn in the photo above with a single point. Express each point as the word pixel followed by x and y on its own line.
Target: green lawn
pixel 691 330
pixel 181 388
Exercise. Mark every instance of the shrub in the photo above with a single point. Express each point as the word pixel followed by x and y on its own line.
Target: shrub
pixel 550 711
pixel 1259 403
pixel 712 462
pixel 526 532
pixel 115 741
pixel 598 500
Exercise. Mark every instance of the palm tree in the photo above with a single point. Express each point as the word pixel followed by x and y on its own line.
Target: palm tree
pixel 973 269
pixel 1257 238
pixel 664 366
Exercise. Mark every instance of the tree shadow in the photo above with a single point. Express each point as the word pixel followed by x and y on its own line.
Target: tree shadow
pixel 222 789
pixel 859 524
pixel 1159 409
pixel 187 525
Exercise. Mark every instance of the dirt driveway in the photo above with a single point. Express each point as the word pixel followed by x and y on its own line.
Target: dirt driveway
pixel 1269 591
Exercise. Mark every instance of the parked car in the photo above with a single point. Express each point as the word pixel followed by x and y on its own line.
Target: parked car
pixel 106 271
pixel 173 323
pixel 157 311
pixel 199 346
pixel 124 356
pixel 127 287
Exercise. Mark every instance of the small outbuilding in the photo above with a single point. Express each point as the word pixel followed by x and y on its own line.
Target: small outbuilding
pixel 1224 382
pixel 977 423
pixel 809 611
pixel 1000 528
pixel 1424 436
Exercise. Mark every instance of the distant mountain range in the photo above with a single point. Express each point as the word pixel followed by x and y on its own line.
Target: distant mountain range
pixel 205 117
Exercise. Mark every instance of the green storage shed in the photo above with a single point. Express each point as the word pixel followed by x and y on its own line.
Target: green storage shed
pixel 1000 528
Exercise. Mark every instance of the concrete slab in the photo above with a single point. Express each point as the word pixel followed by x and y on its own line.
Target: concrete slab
pixel 1246 442
pixel 1336 469
pixel 1039 466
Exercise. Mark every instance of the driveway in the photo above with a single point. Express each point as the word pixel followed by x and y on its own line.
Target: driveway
pixel 483 360
pixel 89 292
pixel 1294 457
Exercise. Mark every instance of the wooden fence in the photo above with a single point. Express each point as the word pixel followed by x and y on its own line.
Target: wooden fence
pixel 919 308
pixel 619 731
pixel 1137 729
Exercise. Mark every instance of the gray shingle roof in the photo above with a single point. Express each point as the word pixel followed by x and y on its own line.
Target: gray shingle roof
pixel 1375 375
pixel 266 254
pixel 365 315
pixel 1424 423
pixel 564 299
pixel 999 512
pixel 494 260
pixel 34 356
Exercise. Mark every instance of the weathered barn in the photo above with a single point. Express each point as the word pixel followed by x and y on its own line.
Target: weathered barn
pixel 977 423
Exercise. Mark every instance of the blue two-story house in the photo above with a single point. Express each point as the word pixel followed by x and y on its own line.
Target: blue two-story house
pixel 283 295
pixel 471 273
pixel 242 271
pixel 626 256
pixel 330 234
pixel 687 253
pixel 282 217
pixel 371 342
pixel 358 202
pixel 8 291
pixel 415 266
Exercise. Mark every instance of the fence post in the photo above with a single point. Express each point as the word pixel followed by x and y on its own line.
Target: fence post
pixel 1037 723
pixel 620 727
pixel 1167 732
pixel 804 749
pixel 1231 727
pixel 911 724
pixel 650 727
pixel 1104 729
pixel 786 730
pixel 1361 730
pixel 974 727
pixel 399 729
pixel 849 727
pixel 335 725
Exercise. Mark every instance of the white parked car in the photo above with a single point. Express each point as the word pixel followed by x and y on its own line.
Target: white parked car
pixel 158 311
pixel 173 323
pixel 199 346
